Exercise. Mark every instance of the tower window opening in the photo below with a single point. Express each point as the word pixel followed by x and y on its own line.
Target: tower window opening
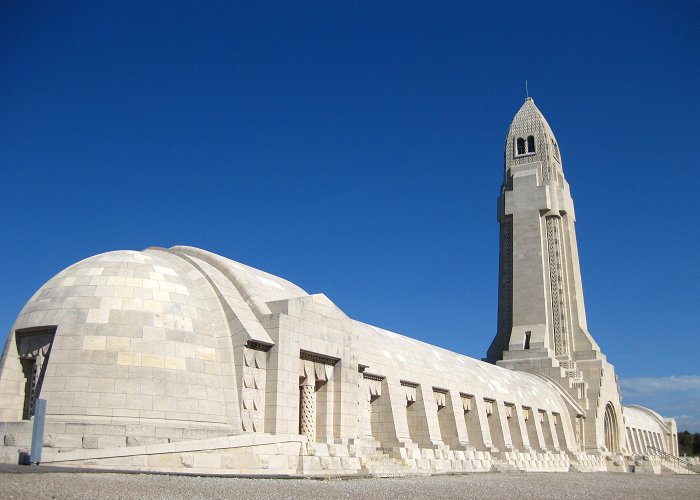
pixel 526 345
pixel 530 144
pixel 521 146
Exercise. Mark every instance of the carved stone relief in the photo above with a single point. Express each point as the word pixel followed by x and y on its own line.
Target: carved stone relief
pixel 556 282
pixel 409 389
pixel 440 397
pixel 253 391
pixel 505 310
pixel 466 402
pixel 314 369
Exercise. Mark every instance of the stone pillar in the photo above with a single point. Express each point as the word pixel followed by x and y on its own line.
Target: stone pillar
pixel 637 442
pixel 307 410
pixel 482 421
pixel 552 430
pixel 536 415
pixel 366 408
pixel 521 425
pixel 501 423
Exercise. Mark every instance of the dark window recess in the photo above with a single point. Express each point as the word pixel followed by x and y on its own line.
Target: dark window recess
pixel 521 146
pixel 33 348
pixel 530 144
pixel 527 340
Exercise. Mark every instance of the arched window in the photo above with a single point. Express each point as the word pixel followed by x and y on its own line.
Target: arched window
pixel 530 144
pixel 612 441
pixel 521 146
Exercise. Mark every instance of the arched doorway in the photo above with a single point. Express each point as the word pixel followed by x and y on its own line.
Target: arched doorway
pixel 612 440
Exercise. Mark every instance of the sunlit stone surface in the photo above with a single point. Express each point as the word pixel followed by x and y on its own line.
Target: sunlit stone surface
pixel 182 360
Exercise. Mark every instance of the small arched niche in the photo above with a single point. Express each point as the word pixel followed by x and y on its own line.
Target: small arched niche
pixel 612 440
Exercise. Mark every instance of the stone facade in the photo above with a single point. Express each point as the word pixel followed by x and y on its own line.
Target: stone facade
pixel 182 360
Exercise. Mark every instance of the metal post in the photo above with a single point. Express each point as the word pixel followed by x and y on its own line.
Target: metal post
pixel 38 431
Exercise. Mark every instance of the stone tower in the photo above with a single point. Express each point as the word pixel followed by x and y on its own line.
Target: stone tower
pixel 541 315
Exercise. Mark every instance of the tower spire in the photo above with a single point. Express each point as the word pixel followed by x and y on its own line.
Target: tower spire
pixel 541 325
pixel 540 299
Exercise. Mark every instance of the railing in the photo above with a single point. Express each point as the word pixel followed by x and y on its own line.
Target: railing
pixel 669 456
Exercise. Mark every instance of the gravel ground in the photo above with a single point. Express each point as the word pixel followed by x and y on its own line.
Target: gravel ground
pixel 506 485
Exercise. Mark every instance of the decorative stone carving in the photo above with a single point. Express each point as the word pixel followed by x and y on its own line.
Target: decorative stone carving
pixel 556 282
pixel 373 384
pixel 466 402
pixel 529 122
pixel 409 391
pixel 313 368
pixel 306 369
pixel 253 391
pixel 318 358
pixel 509 411
pixel 307 411
pixel 488 404
pixel 320 372
pixel 316 367
pixel 505 291
pixel 249 357
pixel 440 397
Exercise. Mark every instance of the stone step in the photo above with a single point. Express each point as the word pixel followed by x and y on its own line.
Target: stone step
pixel 503 467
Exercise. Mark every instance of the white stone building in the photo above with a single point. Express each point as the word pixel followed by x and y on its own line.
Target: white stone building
pixel 182 360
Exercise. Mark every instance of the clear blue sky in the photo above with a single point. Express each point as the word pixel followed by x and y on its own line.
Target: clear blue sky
pixel 356 149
